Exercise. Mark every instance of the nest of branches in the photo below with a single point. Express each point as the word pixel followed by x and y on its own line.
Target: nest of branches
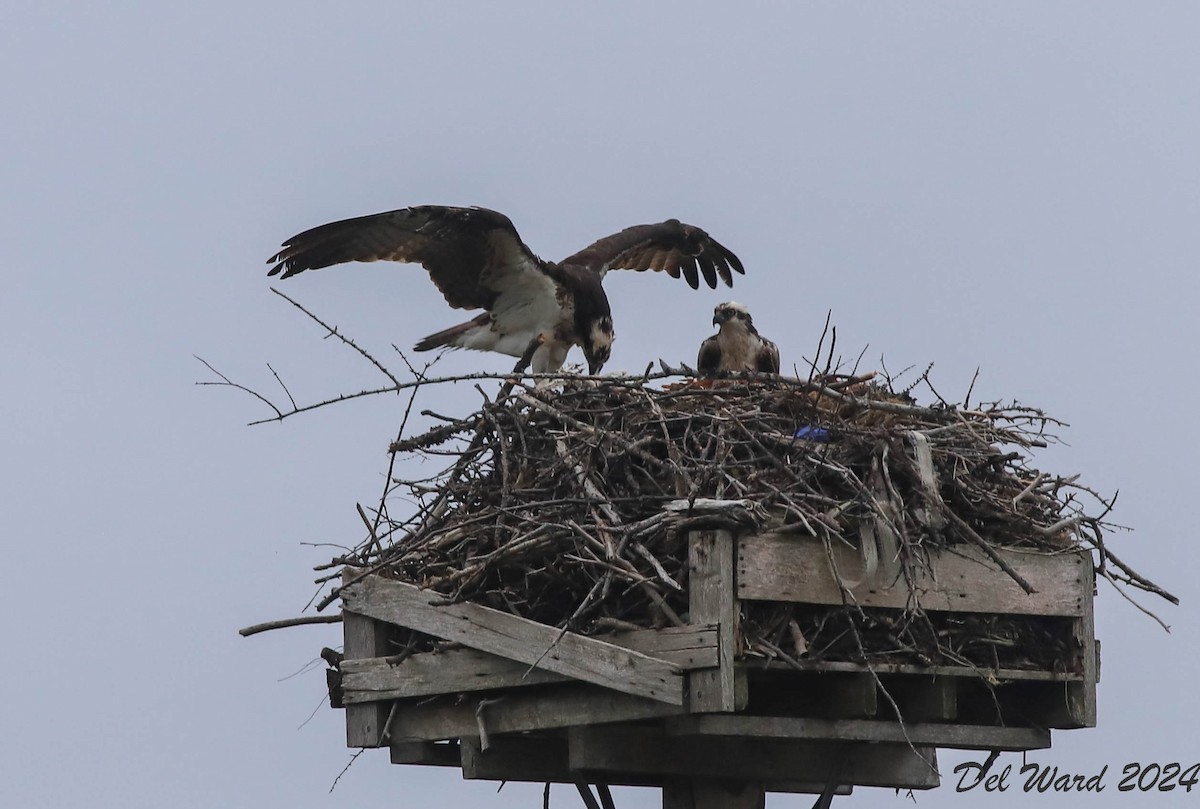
pixel 569 504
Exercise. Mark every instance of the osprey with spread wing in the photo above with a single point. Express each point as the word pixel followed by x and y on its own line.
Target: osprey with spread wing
pixel 478 261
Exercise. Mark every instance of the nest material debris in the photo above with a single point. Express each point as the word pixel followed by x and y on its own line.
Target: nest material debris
pixel 569 505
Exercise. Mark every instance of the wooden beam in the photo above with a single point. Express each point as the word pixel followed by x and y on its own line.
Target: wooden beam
pixel 365 724
pixel 542 759
pixel 637 749
pixel 428 754
pixel 459 670
pixel 918 670
pixel 567 653
pixel 792 567
pixel 679 789
pixel 961 737
pixel 709 793
pixel 517 758
pixel 925 699
pixel 448 672
pixel 847 696
pixel 1081 696
pixel 689 647
pixel 712 600
pixel 542 708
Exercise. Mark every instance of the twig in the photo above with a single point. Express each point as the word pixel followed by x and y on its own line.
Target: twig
pixel 333 332
pixel 303 620
pixel 227 382
pixel 1128 598
pixel 346 769
pixel 985 546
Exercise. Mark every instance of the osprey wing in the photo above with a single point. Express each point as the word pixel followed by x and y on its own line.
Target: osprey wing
pixel 708 362
pixel 672 247
pixel 768 357
pixel 466 250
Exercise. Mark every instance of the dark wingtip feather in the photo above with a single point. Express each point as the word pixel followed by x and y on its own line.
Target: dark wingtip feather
pixel 709 269
pixel 277 260
pixel 688 265
pixel 734 262
pixel 723 271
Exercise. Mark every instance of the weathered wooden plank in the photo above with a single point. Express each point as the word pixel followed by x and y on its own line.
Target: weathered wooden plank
pixel 689 647
pixel 542 759
pixel 962 737
pixel 632 750
pixel 542 708
pixel 363 637
pixel 678 791
pixel 1081 696
pixel 538 759
pixel 790 567
pixel 458 670
pixel 711 600
pixel 423 675
pixel 992 675
pixel 567 653
pixel 517 758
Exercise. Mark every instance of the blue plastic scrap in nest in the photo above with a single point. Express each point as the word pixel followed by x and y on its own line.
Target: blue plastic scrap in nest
pixel 810 433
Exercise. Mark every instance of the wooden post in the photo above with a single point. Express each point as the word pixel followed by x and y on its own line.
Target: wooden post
pixel 1081 696
pixel 713 599
pixel 363 637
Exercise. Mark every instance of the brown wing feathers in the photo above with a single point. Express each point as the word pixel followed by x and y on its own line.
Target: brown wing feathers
pixel 389 236
pixel 671 247
pixel 768 357
pixel 453 244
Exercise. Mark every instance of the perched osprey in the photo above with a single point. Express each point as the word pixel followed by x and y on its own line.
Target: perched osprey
pixel 737 346
pixel 478 261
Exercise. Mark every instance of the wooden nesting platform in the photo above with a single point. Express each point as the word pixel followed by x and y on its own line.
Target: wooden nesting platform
pixel 679 708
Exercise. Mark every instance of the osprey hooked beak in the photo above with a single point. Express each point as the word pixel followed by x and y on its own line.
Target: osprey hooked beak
pixel 725 312
pixel 597 354
pixel 598 346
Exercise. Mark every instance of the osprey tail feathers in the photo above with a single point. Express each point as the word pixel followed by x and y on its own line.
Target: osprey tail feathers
pixel 475 333
pixel 480 334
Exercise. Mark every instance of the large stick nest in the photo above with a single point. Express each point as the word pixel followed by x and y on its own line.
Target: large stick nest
pixel 569 504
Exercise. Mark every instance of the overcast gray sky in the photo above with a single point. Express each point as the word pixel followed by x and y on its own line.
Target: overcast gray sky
pixel 1009 186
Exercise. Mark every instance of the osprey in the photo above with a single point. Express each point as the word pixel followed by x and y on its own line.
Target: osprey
pixel 737 346
pixel 478 261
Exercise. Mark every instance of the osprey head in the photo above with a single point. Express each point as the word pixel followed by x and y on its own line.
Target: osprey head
pixel 597 343
pixel 730 310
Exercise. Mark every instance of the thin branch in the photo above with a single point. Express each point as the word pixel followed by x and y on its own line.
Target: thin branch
pixel 227 382
pixel 303 620
pixel 333 332
pixel 346 769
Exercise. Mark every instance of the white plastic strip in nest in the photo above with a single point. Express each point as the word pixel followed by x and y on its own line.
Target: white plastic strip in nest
pixel 924 457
